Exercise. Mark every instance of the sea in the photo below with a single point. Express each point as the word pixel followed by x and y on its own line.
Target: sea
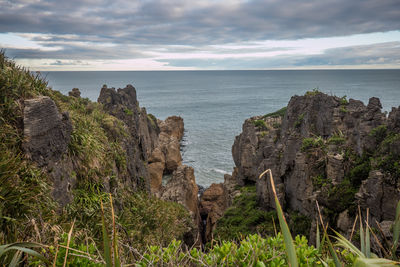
pixel 214 104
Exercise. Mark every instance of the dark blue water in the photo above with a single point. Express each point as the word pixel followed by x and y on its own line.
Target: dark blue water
pixel 214 104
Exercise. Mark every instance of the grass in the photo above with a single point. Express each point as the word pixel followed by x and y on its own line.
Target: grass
pixel 279 113
pixel 312 143
pixel 245 217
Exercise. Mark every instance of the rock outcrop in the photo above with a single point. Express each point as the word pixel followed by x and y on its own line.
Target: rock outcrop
pixel 182 189
pixel 166 157
pixel 47 133
pixel 212 206
pixel 327 149
pixel 143 131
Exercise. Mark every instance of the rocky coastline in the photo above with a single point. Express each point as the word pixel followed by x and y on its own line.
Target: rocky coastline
pixel 320 148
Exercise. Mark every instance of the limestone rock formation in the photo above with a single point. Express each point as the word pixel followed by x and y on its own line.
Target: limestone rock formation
pixel 75 92
pixel 166 157
pixel 46 130
pixel 324 148
pixel 212 206
pixel 122 104
pixel 182 188
pixel 47 133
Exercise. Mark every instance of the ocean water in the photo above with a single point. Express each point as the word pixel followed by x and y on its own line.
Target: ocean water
pixel 214 104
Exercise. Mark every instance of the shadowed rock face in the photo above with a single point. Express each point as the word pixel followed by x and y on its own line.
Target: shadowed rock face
pixel 122 104
pixel 342 132
pixel 46 131
pixel 182 188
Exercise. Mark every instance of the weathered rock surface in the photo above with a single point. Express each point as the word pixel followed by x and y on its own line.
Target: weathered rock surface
pixel 212 206
pixel 75 92
pixel 47 133
pixel 340 136
pixel 167 154
pixel 182 188
pixel 143 138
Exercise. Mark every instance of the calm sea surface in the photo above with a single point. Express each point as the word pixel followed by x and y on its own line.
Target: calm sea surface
pixel 214 104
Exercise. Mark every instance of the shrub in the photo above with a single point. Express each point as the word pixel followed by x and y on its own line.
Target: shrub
pixel 279 113
pixel 310 143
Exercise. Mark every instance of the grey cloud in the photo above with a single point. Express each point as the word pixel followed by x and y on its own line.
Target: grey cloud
pixel 378 54
pixel 77 52
pixel 190 22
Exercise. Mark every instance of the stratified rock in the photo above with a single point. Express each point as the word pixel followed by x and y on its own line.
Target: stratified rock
pixel 167 150
pixel 337 131
pixel 182 189
pixel 344 222
pixel 122 104
pixel 335 168
pixel 172 126
pixel 46 131
pixel 75 93
pixel 379 196
pixel 156 170
pixel 212 206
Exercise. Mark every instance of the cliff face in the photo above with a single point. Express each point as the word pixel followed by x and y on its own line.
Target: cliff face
pixel 327 149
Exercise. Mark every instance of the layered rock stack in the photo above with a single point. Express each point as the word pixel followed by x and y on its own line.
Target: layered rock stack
pixel 327 149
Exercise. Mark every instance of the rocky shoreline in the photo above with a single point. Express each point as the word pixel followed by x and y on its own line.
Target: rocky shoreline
pixel 320 148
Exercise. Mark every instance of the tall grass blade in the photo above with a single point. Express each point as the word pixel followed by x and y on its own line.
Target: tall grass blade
pixel 15 260
pixel 396 231
pixel 106 241
pixel 318 238
pixel 68 241
pixel 362 235
pixel 287 236
pixel 115 237
pixel 333 253
pixel 343 242
pixel 374 262
pixel 367 238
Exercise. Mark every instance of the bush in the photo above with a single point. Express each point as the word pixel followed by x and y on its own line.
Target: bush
pixel 245 217
pixel 310 143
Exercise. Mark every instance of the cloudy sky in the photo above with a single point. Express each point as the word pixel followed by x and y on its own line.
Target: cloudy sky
pixel 202 34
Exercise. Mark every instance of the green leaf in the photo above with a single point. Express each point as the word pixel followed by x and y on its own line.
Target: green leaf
pixel 287 236
pixel 374 262
pixel 318 241
pixel 367 243
pixel 106 241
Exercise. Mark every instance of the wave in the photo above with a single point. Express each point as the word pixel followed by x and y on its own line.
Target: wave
pixel 220 171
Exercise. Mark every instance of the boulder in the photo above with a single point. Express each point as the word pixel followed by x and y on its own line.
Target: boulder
pixel 75 93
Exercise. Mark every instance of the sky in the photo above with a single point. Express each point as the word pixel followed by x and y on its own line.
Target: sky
pixel 51 35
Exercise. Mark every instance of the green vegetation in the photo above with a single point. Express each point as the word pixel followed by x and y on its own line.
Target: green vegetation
pixel 152 119
pixel 245 217
pixel 252 250
pixel 379 133
pixel 336 140
pixel 279 113
pixel 314 92
pixel 343 101
pixel 260 124
pixel 27 208
pixel 299 120
pixel 311 143
pixel 128 111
